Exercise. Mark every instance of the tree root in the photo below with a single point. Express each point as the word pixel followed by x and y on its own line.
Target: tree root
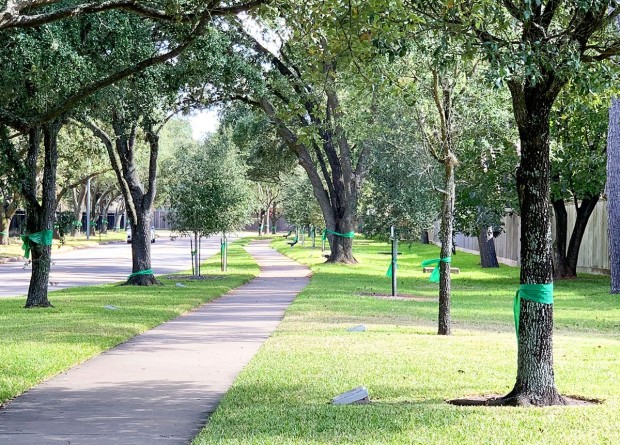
pixel 142 280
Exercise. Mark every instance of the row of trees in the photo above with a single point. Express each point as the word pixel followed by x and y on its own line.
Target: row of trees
pixel 345 86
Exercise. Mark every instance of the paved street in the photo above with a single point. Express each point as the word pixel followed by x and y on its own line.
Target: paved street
pixel 103 264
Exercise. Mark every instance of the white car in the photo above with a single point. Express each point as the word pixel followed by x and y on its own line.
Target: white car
pixel 129 235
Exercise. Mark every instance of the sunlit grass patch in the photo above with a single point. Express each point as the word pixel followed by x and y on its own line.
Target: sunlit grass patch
pixel 282 397
pixel 38 343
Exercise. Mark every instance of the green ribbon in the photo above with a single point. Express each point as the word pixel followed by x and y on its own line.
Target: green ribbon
pixel 434 278
pixel 222 248
pixel 4 233
pixel 77 223
pixel 93 223
pixel 350 234
pixel 142 272
pixel 193 252
pixel 540 293
pixel 44 237
pixel 393 266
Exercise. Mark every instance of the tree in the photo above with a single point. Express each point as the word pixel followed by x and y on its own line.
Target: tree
pixel 535 48
pixel 39 89
pixel 302 88
pixel 211 194
pixel 579 133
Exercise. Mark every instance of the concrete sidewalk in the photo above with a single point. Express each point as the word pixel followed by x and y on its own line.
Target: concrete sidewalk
pixel 161 386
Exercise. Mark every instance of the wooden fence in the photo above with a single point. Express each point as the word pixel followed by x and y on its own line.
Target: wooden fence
pixel 593 254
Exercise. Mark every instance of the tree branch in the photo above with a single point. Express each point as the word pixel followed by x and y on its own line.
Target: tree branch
pixel 11 16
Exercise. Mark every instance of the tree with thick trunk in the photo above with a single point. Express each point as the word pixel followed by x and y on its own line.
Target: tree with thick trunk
pixel 335 168
pixel 535 383
pixel 138 199
pixel 579 123
pixel 566 257
pixel 40 213
pixel 550 40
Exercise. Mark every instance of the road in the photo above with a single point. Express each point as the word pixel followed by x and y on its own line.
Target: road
pixel 103 264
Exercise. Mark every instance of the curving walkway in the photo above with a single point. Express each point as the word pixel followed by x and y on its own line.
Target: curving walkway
pixel 161 386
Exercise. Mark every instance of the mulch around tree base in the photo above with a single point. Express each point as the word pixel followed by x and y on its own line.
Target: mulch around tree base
pixel 495 400
pixel 399 297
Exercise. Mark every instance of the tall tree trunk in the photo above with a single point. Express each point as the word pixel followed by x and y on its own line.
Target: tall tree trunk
pixel 447 212
pixel 40 216
pixel 336 176
pixel 141 250
pixel 613 193
pixel 486 244
pixel 565 265
pixel 139 202
pixel 535 383
pixel 560 266
pixel 443 151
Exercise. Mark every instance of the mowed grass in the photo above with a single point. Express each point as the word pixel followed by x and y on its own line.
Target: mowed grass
pixel 283 395
pixel 36 344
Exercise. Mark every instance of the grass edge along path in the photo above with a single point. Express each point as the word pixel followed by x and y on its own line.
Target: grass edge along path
pixel 282 396
pixel 37 344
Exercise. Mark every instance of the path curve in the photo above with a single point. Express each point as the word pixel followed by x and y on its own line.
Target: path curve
pixel 160 386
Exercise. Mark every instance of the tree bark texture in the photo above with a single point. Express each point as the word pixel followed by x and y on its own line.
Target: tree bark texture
pixel 443 150
pixel 566 258
pixel 486 243
pixel 40 216
pixel 447 213
pixel 535 384
pixel 613 193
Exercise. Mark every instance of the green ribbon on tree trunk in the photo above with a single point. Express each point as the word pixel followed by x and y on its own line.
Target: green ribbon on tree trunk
pixel 4 233
pixel 222 248
pixel 434 278
pixel 540 293
pixel 393 266
pixel 142 272
pixel 350 234
pixel 44 237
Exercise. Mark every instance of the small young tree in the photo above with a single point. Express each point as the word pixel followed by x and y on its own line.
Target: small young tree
pixel 211 194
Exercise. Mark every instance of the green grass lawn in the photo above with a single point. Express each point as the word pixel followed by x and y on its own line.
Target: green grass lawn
pixel 282 396
pixel 36 344
pixel 71 242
